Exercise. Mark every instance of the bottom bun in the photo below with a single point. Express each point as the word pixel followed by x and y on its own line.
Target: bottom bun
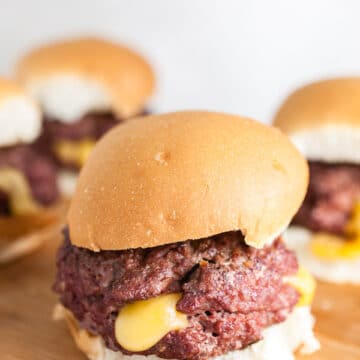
pixel 67 182
pixel 21 235
pixel 336 271
pixel 279 343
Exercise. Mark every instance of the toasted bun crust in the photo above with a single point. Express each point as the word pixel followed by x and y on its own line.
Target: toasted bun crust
pixel 188 175
pixel 20 116
pixel 76 76
pixel 323 120
pixel 280 341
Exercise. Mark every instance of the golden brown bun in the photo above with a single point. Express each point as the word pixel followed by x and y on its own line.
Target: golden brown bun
pixel 21 235
pixel 188 175
pixel 327 102
pixel 323 120
pixel 9 88
pixel 126 77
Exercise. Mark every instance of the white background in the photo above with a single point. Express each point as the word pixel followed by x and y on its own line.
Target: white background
pixel 229 55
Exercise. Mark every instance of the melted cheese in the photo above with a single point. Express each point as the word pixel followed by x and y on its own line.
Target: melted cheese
pixel 140 325
pixel 305 284
pixel 353 226
pixel 14 184
pixel 74 152
pixel 331 247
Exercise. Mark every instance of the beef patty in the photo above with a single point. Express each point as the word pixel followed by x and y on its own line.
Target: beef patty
pixel 332 193
pixel 39 171
pixel 91 126
pixel 230 292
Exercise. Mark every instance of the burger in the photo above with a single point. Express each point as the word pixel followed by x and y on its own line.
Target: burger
pixel 173 247
pixel 28 188
pixel 323 121
pixel 85 86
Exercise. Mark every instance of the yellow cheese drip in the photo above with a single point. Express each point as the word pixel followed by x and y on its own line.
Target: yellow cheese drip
pixel 14 184
pixel 305 284
pixel 353 226
pixel 75 152
pixel 140 325
pixel 331 247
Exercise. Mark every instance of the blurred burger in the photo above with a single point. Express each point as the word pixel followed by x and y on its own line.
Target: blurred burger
pixel 85 86
pixel 173 248
pixel 28 188
pixel 323 121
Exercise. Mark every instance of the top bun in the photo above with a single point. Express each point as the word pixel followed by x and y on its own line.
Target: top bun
pixel 188 175
pixel 323 120
pixel 20 117
pixel 74 77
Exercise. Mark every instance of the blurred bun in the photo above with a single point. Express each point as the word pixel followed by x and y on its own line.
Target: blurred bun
pixel 187 175
pixel 340 271
pixel 20 117
pixel 77 76
pixel 66 181
pixel 323 120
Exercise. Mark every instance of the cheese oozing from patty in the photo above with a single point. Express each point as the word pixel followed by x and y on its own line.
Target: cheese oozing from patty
pixel 74 151
pixel 15 185
pixel 140 325
pixel 331 247
pixel 305 284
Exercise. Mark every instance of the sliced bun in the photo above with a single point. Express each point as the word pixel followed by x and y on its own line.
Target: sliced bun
pixel 340 271
pixel 20 116
pixel 188 175
pixel 280 341
pixel 66 181
pixel 333 144
pixel 76 76
pixel 323 120
pixel 21 235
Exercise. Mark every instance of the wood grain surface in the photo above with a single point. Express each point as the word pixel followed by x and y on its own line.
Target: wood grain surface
pixel 27 331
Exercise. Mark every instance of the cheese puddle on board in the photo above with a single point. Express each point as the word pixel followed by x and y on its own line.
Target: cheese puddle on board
pixel 140 325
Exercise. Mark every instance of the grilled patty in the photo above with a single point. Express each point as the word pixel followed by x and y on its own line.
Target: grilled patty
pixel 333 191
pixel 230 292
pixel 38 170
pixel 91 126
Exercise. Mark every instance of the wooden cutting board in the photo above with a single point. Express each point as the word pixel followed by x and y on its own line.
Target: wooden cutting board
pixel 27 331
